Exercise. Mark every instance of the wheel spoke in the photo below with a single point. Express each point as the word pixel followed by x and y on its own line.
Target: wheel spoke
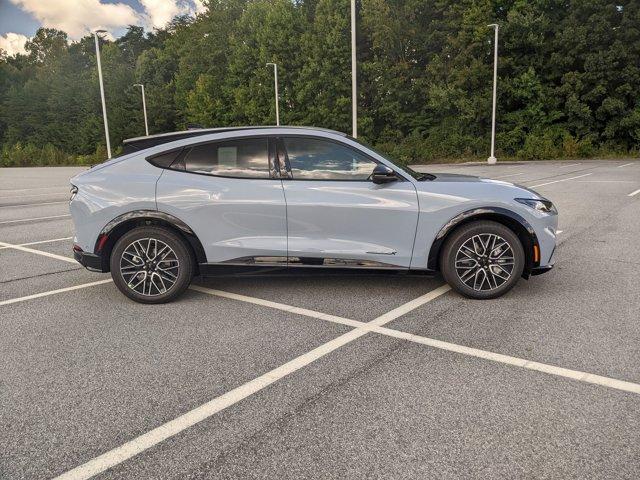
pixel 484 262
pixel 149 266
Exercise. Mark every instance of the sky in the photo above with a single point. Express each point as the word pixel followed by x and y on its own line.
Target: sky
pixel 19 19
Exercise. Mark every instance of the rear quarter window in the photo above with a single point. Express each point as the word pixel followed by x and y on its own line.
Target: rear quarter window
pixel 164 160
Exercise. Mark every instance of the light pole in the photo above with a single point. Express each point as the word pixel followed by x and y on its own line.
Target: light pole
pixel 104 105
pixel 354 82
pixel 144 108
pixel 275 83
pixel 492 159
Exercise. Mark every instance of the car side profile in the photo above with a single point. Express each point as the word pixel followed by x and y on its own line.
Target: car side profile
pixel 255 199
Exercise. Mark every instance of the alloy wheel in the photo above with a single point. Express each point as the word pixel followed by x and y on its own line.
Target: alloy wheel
pixel 149 266
pixel 484 262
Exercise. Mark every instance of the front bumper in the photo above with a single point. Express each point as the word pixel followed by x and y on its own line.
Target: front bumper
pixel 545 268
pixel 90 261
pixel 541 270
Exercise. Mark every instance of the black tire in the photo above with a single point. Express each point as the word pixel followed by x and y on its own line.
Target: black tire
pixel 179 262
pixel 483 270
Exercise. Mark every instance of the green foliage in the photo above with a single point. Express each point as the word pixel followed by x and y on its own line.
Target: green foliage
pixel 569 73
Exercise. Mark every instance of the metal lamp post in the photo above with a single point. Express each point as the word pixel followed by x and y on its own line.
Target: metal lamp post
pixel 492 159
pixel 354 82
pixel 275 82
pixel 144 107
pixel 104 105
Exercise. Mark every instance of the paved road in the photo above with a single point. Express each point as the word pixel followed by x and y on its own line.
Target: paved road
pixel 232 386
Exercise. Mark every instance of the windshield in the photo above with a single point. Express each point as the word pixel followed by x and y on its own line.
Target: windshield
pixel 420 176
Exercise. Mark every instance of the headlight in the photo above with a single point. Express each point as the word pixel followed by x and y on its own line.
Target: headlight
pixel 74 191
pixel 544 206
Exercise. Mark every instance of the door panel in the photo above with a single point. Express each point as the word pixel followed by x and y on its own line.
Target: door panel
pixel 236 219
pixel 335 215
pixel 339 220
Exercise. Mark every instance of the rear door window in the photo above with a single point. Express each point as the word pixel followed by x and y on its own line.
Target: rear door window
pixel 240 158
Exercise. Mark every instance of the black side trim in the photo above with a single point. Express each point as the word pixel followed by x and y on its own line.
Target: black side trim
pixel 231 270
pixel 526 233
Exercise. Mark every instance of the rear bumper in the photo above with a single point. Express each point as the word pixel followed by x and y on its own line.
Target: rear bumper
pixel 90 261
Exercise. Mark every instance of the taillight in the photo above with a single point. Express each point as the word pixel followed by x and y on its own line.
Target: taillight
pixel 101 241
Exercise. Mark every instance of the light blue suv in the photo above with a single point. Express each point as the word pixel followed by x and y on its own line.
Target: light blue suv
pixel 238 200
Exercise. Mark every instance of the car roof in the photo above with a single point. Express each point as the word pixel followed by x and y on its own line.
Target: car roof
pixel 131 145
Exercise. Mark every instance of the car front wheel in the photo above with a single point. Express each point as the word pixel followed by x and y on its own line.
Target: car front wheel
pixel 482 260
pixel 151 265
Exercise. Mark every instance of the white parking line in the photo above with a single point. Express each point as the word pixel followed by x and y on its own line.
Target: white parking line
pixel 145 441
pixel 38 252
pixel 32 204
pixel 515 361
pixel 53 292
pixel 198 414
pixel 572 165
pixel 634 193
pixel 559 231
pixel 563 180
pixel 40 242
pixel 57 187
pixel 32 219
pixel 35 195
pixel 506 176
pixel 376 326
pixel 626 164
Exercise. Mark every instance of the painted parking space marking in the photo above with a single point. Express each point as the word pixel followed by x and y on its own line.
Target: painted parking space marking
pixel 571 165
pixel 39 242
pixel 52 194
pixel 507 176
pixel 375 326
pixel 59 187
pixel 580 376
pixel 33 204
pixel 198 414
pixel 54 292
pixel 562 180
pixel 38 252
pixel 626 164
pixel 605 181
pixel 633 194
pixel 21 220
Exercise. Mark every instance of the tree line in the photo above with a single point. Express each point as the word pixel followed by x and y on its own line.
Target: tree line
pixel 569 74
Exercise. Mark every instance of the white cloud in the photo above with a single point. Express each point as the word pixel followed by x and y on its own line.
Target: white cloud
pixel 199 6
pixel 13 43
pixel 79 17
pixel 161 12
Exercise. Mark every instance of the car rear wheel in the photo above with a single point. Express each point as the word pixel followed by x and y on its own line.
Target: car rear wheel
pixel 151 265
pixel 482 260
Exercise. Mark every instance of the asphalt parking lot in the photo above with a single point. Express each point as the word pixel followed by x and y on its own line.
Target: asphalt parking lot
pixel 326 377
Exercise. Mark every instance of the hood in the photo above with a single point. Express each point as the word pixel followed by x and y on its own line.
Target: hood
pixel 474 187
pixel 455 177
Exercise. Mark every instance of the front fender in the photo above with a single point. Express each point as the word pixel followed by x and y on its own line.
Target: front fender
pixel 514 221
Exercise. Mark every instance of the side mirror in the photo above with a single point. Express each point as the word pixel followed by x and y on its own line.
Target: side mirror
pixel 383 174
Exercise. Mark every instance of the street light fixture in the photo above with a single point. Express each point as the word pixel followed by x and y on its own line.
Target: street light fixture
pixel 275 83
pixel 492 159
pixel 354 82
pixel 104 105
pixel 144 107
